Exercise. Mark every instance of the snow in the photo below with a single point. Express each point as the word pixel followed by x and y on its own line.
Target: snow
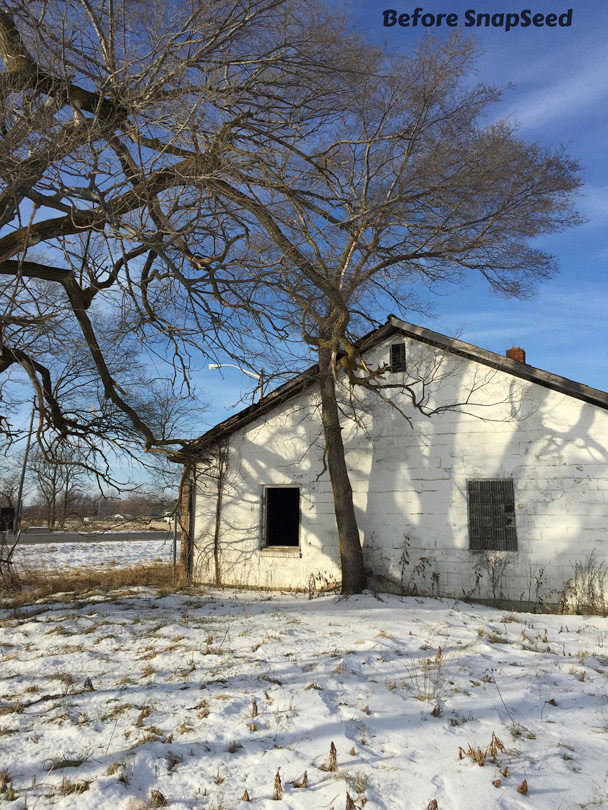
pixel 403 687
pixel 63 556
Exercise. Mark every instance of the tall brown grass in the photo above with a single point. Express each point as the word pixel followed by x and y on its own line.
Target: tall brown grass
pixel 35 584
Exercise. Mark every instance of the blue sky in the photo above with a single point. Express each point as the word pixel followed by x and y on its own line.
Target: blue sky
pixel 560 97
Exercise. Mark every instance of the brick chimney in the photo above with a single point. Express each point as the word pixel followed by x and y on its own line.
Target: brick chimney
pixel 516 353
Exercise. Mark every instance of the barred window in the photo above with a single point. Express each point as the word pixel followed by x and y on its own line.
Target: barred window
pixel 491 516
pixel 398 357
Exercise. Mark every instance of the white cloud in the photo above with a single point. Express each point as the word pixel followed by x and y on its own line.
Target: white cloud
pixel 567 97
pixel 593 203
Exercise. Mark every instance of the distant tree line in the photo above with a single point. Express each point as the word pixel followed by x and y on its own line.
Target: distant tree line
pixel 59 495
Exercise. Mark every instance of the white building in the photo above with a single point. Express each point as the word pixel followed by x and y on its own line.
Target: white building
pixel 488 479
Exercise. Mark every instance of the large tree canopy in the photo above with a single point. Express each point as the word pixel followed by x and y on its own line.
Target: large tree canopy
pixel 118 121
pixel 177 177
pixel 405 186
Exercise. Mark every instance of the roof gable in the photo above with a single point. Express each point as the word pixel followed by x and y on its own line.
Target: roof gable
pixel 395 326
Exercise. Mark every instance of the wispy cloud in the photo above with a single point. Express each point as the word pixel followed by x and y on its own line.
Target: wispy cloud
pixel 564 100
pixel 540 327
pixel 547 314
pixel 593 203
pixel 585 86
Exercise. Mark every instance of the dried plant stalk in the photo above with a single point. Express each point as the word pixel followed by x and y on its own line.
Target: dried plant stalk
pixel 157 799
pixel 278 787
pixel 495 746
pixel 332 762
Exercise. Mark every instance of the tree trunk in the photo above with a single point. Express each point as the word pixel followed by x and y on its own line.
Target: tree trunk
pixel 64 509
pixel 222 466
pixel 351 554
pixel 186 556
pixel 64 505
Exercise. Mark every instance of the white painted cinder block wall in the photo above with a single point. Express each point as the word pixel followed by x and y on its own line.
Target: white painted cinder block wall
pixel 410 486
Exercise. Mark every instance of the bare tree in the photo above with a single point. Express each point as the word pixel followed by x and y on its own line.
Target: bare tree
pixel 9 480
pixel 199 168
pixel 405 190
pixel 59 483
pixel 116 118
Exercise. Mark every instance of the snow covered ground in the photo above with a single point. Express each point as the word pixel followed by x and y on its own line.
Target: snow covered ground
pixel 196 699
pixel 63 556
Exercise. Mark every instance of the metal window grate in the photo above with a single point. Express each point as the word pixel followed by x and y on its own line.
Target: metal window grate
pixel 398 357
pixel 492 516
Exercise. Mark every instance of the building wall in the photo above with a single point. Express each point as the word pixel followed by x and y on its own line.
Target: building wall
pixel 409 467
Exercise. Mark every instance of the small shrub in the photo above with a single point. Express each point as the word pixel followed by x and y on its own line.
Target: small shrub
pixel 586 591
pixel 427 677
pixel 495 564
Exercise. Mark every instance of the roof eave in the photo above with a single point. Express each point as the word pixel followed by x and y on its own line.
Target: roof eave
pixel 393 326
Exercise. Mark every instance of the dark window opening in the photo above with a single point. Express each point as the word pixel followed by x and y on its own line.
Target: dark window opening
pixel 7 518
pixel 491 516
pixel 282 523
pixel 398 357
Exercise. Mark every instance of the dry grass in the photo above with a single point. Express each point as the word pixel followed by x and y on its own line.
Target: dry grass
pixel 36 584
pixel 67 788
pixel 427 678
pixel 157 799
